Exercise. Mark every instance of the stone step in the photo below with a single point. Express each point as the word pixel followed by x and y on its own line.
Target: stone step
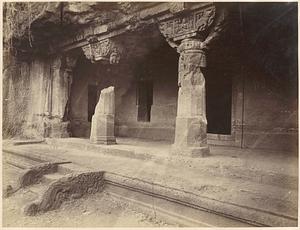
pixel 70 168
pixel 27 142
pixel 49 178
pixel 173 212
pixel 22 160
pixel 30 154
pixel 248 206
pixel 19 161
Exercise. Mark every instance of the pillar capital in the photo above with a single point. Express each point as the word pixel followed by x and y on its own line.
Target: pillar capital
pixel 193 30
pixel 105 50
pixel 188 24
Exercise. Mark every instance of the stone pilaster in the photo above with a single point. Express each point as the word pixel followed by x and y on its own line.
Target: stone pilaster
pixel 190 131
pixel 56 122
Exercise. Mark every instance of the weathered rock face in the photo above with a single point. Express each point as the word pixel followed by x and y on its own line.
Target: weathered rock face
pixel 24 99
pixel 30 26
pixel 103 120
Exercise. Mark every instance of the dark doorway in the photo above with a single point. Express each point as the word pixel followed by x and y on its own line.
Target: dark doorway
pixel 144 100
pixel 218 101
pixel 92 100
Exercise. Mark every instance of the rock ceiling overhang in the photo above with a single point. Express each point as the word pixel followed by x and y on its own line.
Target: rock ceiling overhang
pixel 135 20
pixel 65 26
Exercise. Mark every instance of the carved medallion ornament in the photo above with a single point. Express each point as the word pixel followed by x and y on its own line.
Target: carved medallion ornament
pixel 102 50
pixel 190 25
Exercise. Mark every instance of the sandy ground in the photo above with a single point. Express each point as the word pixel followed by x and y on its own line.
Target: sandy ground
pixel 97 210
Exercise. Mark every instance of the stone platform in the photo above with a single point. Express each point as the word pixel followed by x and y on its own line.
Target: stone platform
pixel 251 187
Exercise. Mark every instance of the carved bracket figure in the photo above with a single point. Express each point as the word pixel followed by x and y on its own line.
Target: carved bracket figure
pixel 102 50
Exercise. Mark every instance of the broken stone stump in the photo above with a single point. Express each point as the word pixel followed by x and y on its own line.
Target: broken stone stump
pixel 103 120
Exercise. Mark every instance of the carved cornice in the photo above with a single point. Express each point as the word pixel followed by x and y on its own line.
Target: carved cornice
pixel 102 50
pixel 188 25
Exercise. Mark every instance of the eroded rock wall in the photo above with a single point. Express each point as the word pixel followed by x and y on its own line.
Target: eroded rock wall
pixel 35 96
pixel 16 96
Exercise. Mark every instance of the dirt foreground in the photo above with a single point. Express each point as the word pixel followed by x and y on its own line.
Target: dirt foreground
pixel 97 210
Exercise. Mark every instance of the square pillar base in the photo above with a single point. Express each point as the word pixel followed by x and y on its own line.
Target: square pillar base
pixel 103 140
pixel 102 130
pixel 190 151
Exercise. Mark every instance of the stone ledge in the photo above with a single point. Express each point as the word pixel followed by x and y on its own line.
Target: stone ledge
pixel 244 214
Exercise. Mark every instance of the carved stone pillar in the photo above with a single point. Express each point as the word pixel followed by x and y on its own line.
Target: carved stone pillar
pixel 191 33
pixel 190 131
